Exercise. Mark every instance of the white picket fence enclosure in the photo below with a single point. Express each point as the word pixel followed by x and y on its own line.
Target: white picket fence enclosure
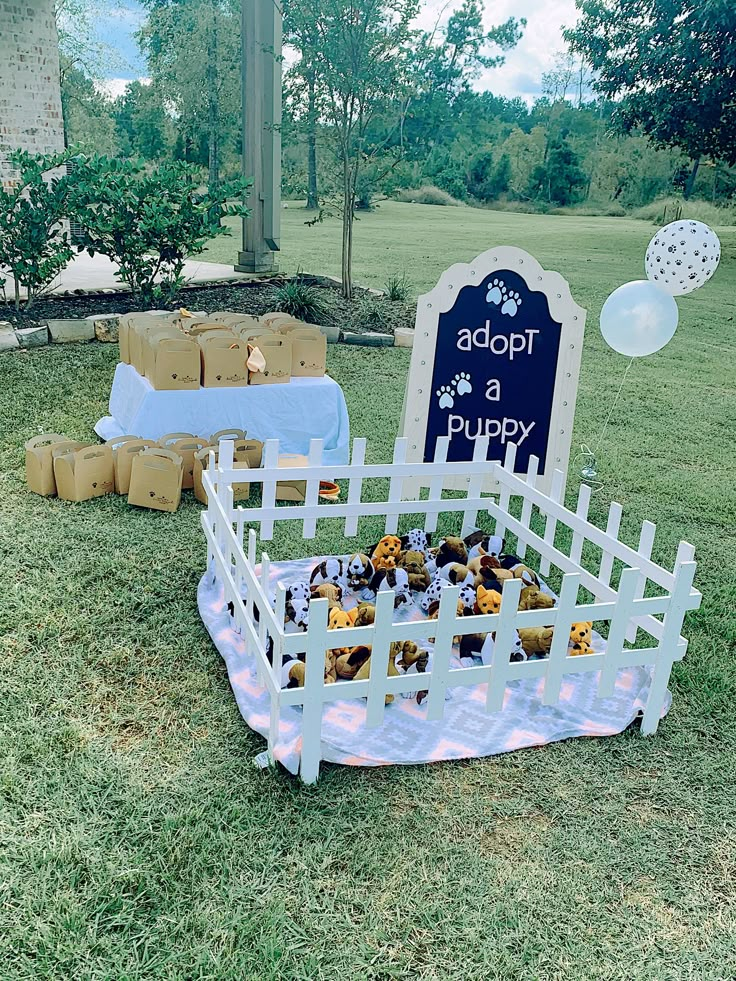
pixel 627 609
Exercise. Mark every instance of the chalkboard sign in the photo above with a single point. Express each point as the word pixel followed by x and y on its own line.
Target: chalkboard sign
pixel 496 353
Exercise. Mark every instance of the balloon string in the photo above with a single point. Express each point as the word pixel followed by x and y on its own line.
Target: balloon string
pixel 613 406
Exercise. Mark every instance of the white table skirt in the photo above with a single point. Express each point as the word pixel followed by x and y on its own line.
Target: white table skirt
pixel 303 409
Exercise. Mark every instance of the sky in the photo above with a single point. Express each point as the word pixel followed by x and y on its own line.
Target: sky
pixel 521 75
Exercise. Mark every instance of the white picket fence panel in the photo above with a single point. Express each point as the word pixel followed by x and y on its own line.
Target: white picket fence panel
pixel 626 608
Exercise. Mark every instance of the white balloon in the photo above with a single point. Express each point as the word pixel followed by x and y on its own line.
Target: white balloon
pixel 638 319
pixel 682 257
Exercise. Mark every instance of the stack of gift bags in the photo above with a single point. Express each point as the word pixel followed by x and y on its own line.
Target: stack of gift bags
pixel 149 473
pixel 180 351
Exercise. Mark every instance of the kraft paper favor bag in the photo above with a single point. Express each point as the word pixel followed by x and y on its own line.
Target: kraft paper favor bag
pixel 250 450
pixel 247 332
pixel 40 461
pixel 277 353
pixel 241 491
pixel 224 362
pixel 273 318
pixel 84 474
pixel 186 447
pixel 126 326
pixel 124 449
pixel 176 364
pixel 308 352
pixel 140 326
pixel 233 434
pixel 292 490
pixel 155 480
pixel 149 348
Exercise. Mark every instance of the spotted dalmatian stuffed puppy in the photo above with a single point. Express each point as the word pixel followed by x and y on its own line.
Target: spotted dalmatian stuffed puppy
pixel 417 540
pixel 298 591
pixel 330 571
pixel 433 593
pixel 395 579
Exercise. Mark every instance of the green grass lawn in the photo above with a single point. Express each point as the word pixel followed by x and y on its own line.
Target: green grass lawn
pixel 137 839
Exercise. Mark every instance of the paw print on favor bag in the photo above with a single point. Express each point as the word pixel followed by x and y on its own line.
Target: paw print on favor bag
pixel 462 382
pixel 494 294
pixel 446 395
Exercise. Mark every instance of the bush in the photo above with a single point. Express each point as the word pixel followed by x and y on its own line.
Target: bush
pixel 398 288
pixel 150 221
pixel 611 209
pixel 34 243
pixel 666 209
pixel 428 194
pixel 299 299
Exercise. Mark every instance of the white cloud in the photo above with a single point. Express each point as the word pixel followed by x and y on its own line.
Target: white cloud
pixel 115 87
pixel 521 75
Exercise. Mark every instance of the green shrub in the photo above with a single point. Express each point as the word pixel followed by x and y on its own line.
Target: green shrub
pixel 34 242
pixel 149 221
pixel 301 300
pixel 398 288
pixel 666 209
pixel 428 194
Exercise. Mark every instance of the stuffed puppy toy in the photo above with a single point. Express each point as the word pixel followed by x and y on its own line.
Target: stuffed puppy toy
pixel 520 571
pixel 413 562
pixel 359 571
pixel 417 540
pixel 478 543
pixel 339 620
pixel 581 635
pixel 472 646
pixel 532 598
pixel 365 615
pixel 348 664
pixel 296 670
pixel 386 553
pixel 298 590
pixel 468 598
pixel 395 579
pixel 432 593
pixel 329 570
pixel 536 640
pixel 451 550
pixel 488 572
pixel 456 574
pixel 330 592
pixel 297 611
pixel 364 672
pixel 487 601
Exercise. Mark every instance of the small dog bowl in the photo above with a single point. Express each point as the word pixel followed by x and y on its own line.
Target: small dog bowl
pixel 328 490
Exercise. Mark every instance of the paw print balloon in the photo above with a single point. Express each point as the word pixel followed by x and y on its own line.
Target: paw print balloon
pixel 682 257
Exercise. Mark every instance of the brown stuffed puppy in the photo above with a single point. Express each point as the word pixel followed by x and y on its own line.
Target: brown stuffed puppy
pixel 297 671
pixel 413 562
pixel 330 592
pixel 365 615
pixel 536 640
pixel 533 598
pixel 519 570
pixel 340 619
pixel 487 600
pixel 581 635
pixel 488 572
pixel 364 671
pixel 386 554
pixel 451 550
pixel 348 665
pixel 360 571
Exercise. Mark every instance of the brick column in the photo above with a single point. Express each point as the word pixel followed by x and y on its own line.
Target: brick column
pixel 30 96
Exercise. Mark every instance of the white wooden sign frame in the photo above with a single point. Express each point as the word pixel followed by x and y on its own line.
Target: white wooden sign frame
pixel 441 299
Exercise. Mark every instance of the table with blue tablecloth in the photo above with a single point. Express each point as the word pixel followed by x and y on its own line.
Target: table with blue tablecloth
pixel 294 413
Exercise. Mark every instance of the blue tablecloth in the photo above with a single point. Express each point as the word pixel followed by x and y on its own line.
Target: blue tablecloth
pixel 303 409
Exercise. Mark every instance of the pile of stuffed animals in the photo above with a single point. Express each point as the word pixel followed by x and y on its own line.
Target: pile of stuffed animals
pixel 417 573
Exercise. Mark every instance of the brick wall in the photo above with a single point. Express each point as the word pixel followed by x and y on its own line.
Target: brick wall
pixel 30 100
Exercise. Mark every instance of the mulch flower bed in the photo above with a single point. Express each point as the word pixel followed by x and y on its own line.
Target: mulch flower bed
pixel 367 312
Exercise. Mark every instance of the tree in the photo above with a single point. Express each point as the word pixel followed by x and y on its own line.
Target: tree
pixel 361 54
pixel 672 66
pixel 87 113
pixel 194 57
pixel 144 126
pixel 559 179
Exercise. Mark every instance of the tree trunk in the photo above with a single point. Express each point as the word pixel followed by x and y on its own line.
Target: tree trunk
pixel 347 228
pixel 312 192
pixel 213 107
pixel 689 187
